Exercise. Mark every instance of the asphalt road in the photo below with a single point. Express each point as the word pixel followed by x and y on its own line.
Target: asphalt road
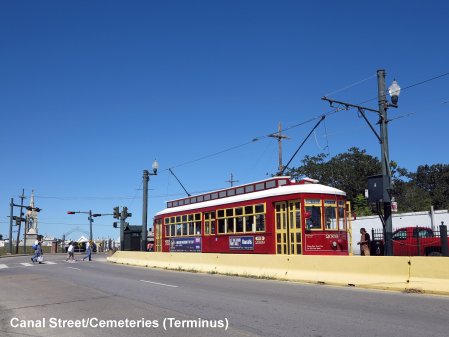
pixel 58 295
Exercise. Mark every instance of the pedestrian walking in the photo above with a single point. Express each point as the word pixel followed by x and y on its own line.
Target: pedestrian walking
pixel 70 252
pixel 37 257
pixel 88 251
pixel 364 242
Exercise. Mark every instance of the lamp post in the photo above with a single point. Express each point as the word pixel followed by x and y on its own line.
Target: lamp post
pixel 394 91
pixel 146 178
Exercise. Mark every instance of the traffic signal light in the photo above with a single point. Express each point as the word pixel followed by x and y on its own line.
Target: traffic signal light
pixel 116 213
pixel 115 225
pixel 70 212
pixel 125 213
pixel 1 237
pixel 95 215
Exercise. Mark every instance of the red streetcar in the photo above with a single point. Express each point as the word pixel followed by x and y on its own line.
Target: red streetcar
pixel 274 216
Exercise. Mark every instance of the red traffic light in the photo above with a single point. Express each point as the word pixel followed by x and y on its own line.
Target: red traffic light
pixel 70 212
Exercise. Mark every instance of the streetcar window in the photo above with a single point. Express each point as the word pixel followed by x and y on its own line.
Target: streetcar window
pixel 191 228
pixel 271 183
pixel 330 214
pixel 198 216
pixel 249 188
pixel 214 195
pixel 230 212
pixel 222 194
pixel 260 223
pixel 198 228
pixel 249 221
pixel 240 190
pixel 178 230
pixel 200 198
pixel 230 224
pixel 260 186
pixel 239 224
pixel 249 210
pixel 167 230
pixel 282 182
pixel 314 221
pixel 172 230
pixel 341 217
pixel 207 197
pixel 260 208
pixel 231 192
pixel 212 227
pixel 239 211
pixel 220 213
pixel 221 226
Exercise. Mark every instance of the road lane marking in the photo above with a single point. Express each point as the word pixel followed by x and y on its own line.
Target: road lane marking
pixel 49 262
pixel 74 268
pixel 26 264
pixel 3 266
pixel 161 284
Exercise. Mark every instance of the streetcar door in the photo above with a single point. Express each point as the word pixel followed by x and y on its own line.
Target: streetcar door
pixel 158 238
pixel 288 227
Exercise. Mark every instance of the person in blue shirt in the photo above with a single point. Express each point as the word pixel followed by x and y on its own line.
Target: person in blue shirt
pixel 37 253
pixel 88 251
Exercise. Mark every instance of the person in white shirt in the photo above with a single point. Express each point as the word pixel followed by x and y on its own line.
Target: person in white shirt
pixel 70 251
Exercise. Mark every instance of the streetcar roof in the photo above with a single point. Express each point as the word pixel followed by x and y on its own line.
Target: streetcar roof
pixel 309 188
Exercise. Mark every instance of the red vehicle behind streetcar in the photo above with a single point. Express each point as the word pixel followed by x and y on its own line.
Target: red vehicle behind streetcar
pixel 274 216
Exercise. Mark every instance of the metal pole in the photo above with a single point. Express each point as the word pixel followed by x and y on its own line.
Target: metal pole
pixel 443 238
pixel 10 225
pixel 385 161
pixel 90 225
pixel 122 232
pixel 143 244
pixel 20 223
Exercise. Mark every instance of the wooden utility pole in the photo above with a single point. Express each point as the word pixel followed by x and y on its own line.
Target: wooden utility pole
pixel 232 181
pixel 279 137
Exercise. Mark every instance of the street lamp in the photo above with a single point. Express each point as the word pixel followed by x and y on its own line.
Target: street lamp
pixel 146 178
pixel 394 90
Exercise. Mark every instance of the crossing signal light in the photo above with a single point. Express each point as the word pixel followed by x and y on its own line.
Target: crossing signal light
pixel 115 225
pixel 70 212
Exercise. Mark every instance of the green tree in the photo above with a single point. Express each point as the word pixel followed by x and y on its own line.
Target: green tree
pixel 346 171
pixel 434 180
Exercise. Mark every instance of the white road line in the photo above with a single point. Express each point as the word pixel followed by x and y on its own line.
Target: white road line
pixel 49 262
pixel 3 266
pixel 74 268
pixel 26 264
pixel 161 284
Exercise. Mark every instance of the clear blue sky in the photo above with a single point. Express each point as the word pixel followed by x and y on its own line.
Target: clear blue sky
pixel 91 92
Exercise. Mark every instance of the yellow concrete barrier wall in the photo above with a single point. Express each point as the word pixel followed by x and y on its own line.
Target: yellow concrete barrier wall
pixel 368 272
pixel 429 274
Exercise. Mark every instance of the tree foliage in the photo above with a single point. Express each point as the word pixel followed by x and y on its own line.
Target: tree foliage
pixel 414 191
